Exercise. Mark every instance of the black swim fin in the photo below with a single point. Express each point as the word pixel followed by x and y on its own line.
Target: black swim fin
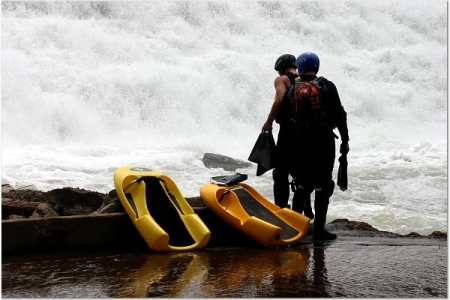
pixel 342 180
pixel 263 152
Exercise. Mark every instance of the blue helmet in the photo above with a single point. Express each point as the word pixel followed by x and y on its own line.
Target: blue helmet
pixel 307 61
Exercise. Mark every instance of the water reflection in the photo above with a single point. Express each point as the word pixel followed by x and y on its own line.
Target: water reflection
pixel 168 275
pixel 288 272
pixel 300 271
pixel 224 272
pixel 320 273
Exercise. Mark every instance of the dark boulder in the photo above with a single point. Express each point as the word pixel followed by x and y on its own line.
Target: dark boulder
pixel 17 207
pixel 110 204
pixel 211 161
pixel 73 201
pixel 44 210
pixel 24 203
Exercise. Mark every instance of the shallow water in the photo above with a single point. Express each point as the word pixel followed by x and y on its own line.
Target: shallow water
pixel 334 270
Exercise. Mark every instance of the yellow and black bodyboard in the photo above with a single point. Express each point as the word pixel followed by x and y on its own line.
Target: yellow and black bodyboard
pixel 248 211
pixel 159 211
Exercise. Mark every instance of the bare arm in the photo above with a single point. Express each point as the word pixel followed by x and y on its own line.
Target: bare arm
pixel 280 89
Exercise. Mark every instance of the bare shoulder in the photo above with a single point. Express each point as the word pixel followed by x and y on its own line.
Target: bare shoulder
pixel 282 79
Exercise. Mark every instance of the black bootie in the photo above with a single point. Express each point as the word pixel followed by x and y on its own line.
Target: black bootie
pixel 321 208
pixel 307 209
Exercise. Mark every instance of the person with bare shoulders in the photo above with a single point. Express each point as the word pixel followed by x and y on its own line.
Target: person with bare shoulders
pixel 285 65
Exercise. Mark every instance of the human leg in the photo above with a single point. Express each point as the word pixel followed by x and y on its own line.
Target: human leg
pixel 300 198
pixel 280 174
pixel 301 202
pixel 324 186
pixel 281 191
pixel 307 210
pixel 322 200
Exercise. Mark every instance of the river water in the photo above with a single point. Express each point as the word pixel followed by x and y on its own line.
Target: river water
pixel 343 268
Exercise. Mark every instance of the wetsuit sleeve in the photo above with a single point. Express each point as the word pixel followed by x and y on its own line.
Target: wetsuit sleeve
pixel 338 114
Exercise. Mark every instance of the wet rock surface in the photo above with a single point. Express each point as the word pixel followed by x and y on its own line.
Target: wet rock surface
pixel 355 228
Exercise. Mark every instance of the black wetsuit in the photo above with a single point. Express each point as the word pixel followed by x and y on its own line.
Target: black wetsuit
pixel 285 149
pixel 315 155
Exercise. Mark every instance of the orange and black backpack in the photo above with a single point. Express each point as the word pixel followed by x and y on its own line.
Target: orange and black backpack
pixel 307 107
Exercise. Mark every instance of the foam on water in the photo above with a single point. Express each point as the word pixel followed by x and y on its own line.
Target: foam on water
pixel 91 86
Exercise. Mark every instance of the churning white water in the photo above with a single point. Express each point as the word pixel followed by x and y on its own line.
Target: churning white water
pixel 88 87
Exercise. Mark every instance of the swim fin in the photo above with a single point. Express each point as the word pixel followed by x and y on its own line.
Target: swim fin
pixel 263 152
pixel 342 181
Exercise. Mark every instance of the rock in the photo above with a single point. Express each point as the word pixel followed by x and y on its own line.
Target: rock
pixel 211 160
pixel 358 228
pixel 111 204
pixel 23 194
pixel 72 201
pixel 361 226
pixel 196 202
pixel 413 234
pixel 6 188
pixel 64 202
pixel 44 210
pixel 15 217
pixel 17 207
pixel 363 229
pixel 438 234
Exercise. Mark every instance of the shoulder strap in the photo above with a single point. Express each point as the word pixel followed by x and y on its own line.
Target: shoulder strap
pixel 292 77
pixel 292 88
pixel 321 82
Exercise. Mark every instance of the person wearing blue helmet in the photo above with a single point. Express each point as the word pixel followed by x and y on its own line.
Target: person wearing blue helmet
pixel 315 152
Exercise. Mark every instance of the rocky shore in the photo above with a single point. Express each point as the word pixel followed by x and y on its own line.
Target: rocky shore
pixel 20 204
pixel 49 215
